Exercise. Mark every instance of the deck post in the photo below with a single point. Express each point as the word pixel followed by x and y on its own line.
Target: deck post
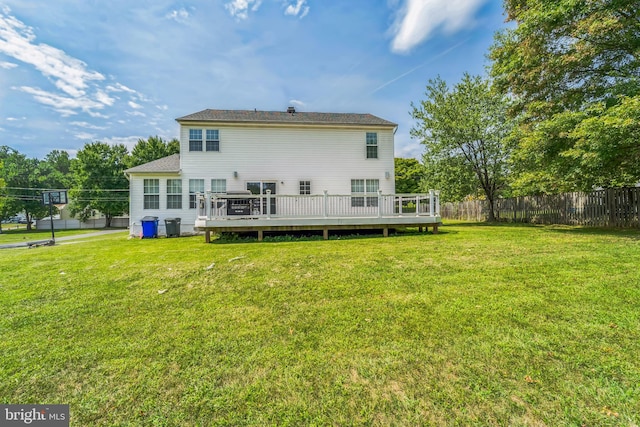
pixel 268 204
pixel 417 205
pixel 431 203
pixel 379 203
pixel 260 234
pixel 207 236
pixel 399 205
pixel 385 232
pixel 325 233
pixel 437 193
pixel 326 204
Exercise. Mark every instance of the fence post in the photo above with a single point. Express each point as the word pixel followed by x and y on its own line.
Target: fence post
pixel 431 203
pixel 268 204
pixel 326 203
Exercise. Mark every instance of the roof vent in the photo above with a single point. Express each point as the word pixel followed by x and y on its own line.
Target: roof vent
pixel 291 110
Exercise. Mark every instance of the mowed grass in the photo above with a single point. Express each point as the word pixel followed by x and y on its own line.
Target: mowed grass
pixel 478 325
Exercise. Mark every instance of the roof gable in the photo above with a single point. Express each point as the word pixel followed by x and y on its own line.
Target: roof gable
pixel 166 164
pixel 281 117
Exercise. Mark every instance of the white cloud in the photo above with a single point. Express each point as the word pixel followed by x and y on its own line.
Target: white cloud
pixel 102 97
pixel 68 74
pixel 299 8
pixel 7 65
pixel 87 125
pixel 180 15
pixel 127 141
pixel 417 20
pixel 120 88
pixel 84 136
pixel 63 104
pixel 298 103
pixel 75 88
pixel 240 8
pixel 136 113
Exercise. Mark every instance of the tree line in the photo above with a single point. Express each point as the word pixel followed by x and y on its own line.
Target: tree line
pixel 95 178
pixel 559 110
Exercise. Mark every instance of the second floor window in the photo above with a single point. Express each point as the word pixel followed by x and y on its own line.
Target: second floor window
pixel 372 145
pixel 195 139
pixel 213 140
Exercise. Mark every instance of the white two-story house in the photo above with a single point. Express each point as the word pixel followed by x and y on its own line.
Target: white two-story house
pixel 266 153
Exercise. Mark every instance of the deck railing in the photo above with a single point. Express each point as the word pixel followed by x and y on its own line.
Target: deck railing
pixel 213 206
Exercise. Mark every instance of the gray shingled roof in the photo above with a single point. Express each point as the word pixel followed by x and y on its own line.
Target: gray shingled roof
pixel 166 164
pixel 278 117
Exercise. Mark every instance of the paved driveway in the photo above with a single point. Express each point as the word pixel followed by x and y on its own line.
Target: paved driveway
pixel 62 239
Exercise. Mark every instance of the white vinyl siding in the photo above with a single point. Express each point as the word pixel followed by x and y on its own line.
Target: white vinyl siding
pixel 328 157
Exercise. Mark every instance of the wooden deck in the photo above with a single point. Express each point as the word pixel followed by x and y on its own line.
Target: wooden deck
pixel 265 213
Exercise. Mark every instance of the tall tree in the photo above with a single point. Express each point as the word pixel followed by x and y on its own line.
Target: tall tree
pixel 55 170
pixel 99 181
pixel 22 179
pixel 153 148
pixel 409 175
pixel 464 130
pixel 567 62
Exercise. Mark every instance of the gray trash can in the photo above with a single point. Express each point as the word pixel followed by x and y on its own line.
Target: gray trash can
pixel 172 226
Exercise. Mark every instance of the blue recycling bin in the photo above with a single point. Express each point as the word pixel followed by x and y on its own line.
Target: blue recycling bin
pixel 149 227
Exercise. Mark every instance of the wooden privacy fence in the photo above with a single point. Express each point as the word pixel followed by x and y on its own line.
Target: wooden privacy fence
pixel 614 207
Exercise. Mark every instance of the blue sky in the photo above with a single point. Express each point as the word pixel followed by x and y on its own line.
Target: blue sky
pixel 73 71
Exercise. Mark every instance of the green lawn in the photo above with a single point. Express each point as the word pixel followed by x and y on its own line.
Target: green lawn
pixel 478 325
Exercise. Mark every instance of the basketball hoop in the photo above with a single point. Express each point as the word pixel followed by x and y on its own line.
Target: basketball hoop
pixel 58 199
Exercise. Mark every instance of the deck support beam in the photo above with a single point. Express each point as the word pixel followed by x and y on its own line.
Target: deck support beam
pixel 252 226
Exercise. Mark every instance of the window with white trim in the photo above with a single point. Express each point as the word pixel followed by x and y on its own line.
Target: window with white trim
pixel 151 193
pixel 212 142
pixel 372 145
pixel 195 186
pixel 305 187
pixel 218 186
pixel 174 194
pixel 195 139
pixel 365 192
